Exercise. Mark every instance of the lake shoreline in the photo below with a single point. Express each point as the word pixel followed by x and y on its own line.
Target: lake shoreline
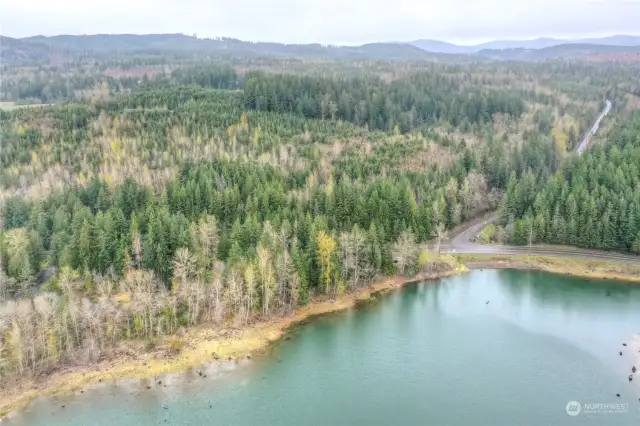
pixel 578 267
pixel 204 344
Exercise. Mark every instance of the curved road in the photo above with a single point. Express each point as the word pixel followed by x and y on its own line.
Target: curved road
pixel 460 242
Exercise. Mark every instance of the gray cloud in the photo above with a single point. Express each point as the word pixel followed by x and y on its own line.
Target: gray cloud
pixel 326 21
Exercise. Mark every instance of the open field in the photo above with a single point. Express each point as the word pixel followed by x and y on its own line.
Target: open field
pixel 10 106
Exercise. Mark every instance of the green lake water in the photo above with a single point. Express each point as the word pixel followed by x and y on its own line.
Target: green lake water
pixel 429 354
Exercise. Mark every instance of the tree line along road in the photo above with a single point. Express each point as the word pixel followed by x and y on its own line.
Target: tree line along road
pixel 461 240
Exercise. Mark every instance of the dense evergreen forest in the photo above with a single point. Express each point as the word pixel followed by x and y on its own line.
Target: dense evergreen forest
pixel 408 103
pixel 592 201
pixel 222 192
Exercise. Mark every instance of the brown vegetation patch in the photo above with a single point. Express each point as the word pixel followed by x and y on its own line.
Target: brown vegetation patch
pixel 557 265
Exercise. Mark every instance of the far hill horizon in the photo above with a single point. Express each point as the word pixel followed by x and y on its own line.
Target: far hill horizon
pixel 43 49
pixel 430 45
pixel 439 46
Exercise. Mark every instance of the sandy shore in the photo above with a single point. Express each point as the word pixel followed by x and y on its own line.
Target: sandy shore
pixel 201 343
pixel 595 269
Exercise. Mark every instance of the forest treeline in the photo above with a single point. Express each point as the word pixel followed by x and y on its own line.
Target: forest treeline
pixel 94 229
pixel 592 201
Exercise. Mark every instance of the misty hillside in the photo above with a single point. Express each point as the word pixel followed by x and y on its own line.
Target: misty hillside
pixel 438 46
pixel 555 52
pixel 539 43
pixel 40 48
pixel 18 52
pixel 65 48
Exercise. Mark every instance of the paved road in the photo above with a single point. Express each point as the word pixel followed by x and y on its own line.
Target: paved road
pixel 587 138
pixel 460 239
pixel 460 242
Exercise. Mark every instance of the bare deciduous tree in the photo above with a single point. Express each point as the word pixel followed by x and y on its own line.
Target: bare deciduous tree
pixel 441 233
pixel 405 250
pixel 353 259
pixel 267 277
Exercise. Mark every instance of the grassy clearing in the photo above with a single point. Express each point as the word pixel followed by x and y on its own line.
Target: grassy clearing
pixel 560 265
pixel 9 106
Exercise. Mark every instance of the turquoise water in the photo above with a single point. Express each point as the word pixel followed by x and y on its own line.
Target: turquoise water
pixel 430 354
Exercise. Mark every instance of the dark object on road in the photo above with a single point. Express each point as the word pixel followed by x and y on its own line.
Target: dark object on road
pixel 287 338
pixel 608 293
pixel 633 369
pixel 159 382
pixel 618 395
pixel 630 377
pixel 63 406
pixel 215 355
pixel 620 353
pixel 165 406
pixel 248 356
pixel 487 302
pixel 148 387
pixel 210 406
pixel 624 344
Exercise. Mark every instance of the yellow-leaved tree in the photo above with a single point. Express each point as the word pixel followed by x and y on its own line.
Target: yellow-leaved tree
pixel 326 247
pixel 561 138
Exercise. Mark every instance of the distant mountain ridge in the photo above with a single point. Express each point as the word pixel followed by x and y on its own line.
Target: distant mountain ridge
pixel 32 49
pixel 437 46
pixel 60 48
pixel 571 50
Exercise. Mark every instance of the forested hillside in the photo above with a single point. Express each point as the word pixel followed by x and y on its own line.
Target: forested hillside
pixel 158 194
pixel 41 50
pixel 592 201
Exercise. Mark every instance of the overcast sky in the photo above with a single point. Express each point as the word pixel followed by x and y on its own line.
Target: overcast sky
pixel 326 21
